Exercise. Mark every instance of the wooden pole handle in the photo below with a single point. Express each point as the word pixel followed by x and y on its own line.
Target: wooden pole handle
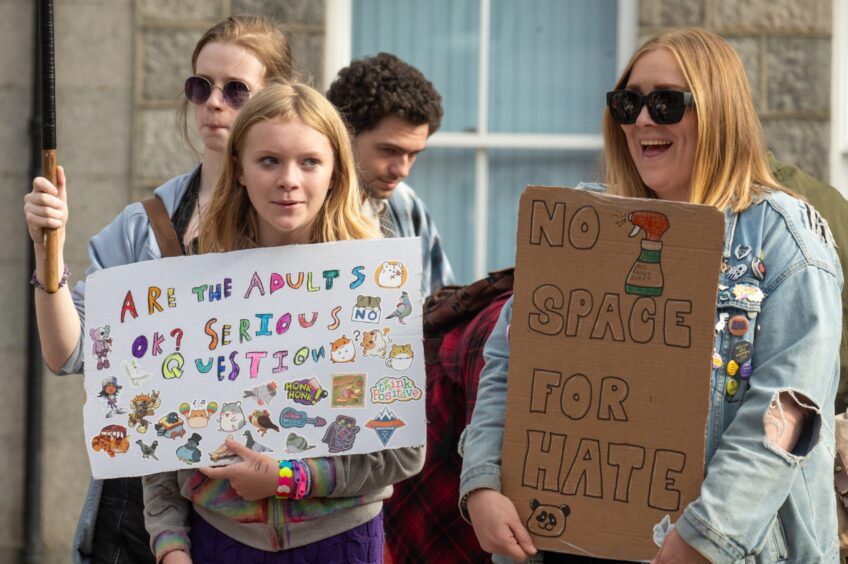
pixel 51 236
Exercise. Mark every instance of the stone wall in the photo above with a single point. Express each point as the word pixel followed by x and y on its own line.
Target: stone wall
pixel 786 48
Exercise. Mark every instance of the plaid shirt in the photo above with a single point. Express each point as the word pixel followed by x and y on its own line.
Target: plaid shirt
pixel 422 519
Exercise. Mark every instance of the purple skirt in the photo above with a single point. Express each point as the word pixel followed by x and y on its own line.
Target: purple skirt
pixel 360 545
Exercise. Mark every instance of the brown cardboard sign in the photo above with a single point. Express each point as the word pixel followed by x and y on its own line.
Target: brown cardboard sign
pixel 609 377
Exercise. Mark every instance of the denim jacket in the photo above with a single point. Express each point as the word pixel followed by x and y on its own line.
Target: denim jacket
pixel 757 503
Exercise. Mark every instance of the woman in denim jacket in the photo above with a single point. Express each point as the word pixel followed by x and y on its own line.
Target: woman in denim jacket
pixel 768 491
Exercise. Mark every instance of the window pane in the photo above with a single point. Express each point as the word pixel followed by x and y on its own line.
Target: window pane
pixel 444 179
pixel 439 37
pixel 509 173
pixel 550 64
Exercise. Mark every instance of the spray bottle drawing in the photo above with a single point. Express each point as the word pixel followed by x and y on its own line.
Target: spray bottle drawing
pixel 645 277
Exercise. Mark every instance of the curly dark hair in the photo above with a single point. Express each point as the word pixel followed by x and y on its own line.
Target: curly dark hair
pixel 372 88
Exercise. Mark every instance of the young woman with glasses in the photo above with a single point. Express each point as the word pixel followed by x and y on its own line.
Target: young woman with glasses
pixel 681 125
pixel 231 62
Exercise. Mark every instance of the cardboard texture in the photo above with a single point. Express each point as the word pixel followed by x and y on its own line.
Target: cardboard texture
pixel 609 378
pixel 298 351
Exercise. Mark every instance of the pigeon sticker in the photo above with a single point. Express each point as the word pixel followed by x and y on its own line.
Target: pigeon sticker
pixel 388 390
pixel 341 434
pixel 148 451
pixel 305 392
pixel 171 426
pixel 348 390
pixel 295 444
pixel 402 309
pixel 190 452
pixel 262 394
pixel 385 424
pixel 251 443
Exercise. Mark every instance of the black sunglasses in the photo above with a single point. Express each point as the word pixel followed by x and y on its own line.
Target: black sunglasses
pixel 198 89
pixel 664 106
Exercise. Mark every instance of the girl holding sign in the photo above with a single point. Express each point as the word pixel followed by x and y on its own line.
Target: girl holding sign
pixel 681 125
pixel 291 180
pixel 231 61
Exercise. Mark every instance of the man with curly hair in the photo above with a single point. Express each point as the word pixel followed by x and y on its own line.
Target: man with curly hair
pixel 392 109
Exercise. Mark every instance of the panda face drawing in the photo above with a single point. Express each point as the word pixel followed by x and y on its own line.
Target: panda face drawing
pixel 547 520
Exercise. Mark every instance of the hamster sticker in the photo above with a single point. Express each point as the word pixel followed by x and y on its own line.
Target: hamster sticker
pixel 342 351
pixel 547 520
pixel 400 357
pixel 232 417
pixel 198 414
pixel 391 274
pixel 375 343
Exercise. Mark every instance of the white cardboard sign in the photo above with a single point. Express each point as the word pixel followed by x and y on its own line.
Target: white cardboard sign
pixel 298 351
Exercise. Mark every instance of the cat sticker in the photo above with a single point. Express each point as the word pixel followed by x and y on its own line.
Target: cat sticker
pixel 400 357
pixel 391 274
pixel 547 520
pixel 342 351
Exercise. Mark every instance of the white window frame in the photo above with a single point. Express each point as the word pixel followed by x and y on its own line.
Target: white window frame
pixel 839 99
pixel 338 49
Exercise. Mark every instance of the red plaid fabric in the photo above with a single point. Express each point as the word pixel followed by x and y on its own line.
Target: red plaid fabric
pixel 422 520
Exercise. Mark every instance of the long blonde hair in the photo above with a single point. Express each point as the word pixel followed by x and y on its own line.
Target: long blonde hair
pixel 231 222
pixel 256 34
pixel 731 166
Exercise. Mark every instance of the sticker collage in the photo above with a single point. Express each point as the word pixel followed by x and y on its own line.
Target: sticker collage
pixel 353 382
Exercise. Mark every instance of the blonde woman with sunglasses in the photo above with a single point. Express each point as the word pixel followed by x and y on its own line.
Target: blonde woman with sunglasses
pixel 231 62
pixel 680 125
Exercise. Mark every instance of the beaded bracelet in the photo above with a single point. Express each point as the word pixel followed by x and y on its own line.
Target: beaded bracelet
pixel 65 275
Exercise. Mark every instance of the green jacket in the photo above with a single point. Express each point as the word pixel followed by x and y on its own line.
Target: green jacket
pixel 834 208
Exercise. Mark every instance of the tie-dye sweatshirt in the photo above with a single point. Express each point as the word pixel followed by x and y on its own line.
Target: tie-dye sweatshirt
pixel 347 491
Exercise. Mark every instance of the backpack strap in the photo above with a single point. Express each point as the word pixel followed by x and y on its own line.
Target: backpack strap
pixel 163 229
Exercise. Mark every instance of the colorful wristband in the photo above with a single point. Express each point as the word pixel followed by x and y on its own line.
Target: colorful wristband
pixel 285 481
